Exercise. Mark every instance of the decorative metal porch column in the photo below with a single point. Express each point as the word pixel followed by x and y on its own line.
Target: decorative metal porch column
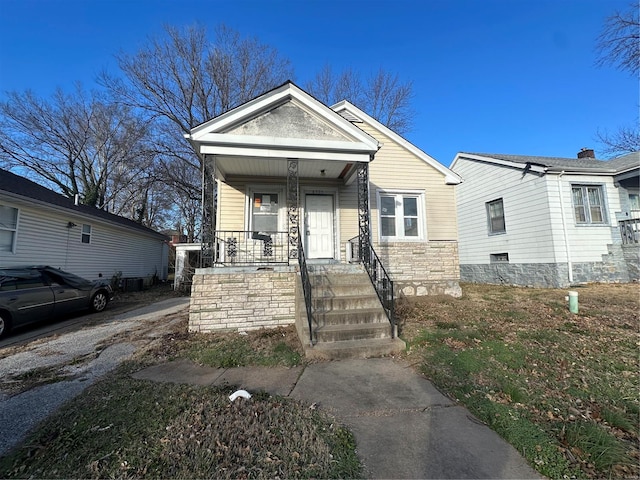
pixel 207 235
pixel 364 231
pixel 293 203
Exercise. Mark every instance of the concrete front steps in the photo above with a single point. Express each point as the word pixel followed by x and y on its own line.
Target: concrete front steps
pixel 348 319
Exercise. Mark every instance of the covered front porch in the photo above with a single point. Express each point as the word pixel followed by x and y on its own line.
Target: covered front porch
pixel 285 191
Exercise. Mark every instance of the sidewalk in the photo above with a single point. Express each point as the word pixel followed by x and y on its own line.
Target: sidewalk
pixel 404 427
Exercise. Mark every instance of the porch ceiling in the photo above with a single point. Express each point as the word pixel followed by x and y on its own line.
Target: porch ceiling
pixel 277 167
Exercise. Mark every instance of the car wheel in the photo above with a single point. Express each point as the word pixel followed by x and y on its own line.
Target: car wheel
pixel 99 301
pixel 5 324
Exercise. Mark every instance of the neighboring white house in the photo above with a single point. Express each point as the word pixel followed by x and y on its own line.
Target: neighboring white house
pixel 41 227
pixel 546 221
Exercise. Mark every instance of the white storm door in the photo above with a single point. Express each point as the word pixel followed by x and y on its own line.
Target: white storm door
pixel 319 226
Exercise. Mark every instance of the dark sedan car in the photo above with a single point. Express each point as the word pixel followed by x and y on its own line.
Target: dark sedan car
pixel 33 294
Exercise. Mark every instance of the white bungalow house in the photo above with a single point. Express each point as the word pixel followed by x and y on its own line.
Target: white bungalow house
pixel 41 227
pixel 319 214
pixel 548 222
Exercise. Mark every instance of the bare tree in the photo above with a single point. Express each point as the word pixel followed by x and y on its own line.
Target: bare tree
pixel 180 80
pixel 76 143
pixel 382 95
pixel 618 45
pixel 187 80
pixel 619 42
pixel 622 141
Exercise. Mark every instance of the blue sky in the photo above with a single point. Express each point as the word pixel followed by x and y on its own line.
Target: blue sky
pixel 500 76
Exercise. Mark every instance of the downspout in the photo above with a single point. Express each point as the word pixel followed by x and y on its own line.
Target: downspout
pixel 564 229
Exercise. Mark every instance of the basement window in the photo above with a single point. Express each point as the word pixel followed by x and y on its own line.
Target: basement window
pixel 499 258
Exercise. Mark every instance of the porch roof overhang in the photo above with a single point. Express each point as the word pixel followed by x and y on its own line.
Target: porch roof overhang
pixel 259 137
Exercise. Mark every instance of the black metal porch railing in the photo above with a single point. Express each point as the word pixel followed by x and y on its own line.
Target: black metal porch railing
pixel 238 247
pixel 377 273
pixel 306 287
pixel 630 230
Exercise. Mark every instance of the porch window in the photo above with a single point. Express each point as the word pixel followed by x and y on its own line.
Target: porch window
pixel 8 228
pixel 264 212
pixel 495 217
pixel 588 204
pixel 400 216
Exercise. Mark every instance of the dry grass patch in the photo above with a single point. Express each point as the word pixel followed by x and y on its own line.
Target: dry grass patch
pixel 537 373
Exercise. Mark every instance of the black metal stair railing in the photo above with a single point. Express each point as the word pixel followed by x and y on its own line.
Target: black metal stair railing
pixel 363 252
pixel 306 287
pixel 250 248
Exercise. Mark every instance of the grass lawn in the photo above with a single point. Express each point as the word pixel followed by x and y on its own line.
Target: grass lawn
pixel 561 388
pixel 127 428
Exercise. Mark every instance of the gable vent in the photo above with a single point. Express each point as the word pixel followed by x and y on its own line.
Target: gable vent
pixel 349 116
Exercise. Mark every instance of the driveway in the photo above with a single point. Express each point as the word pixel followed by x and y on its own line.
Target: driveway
pixel 77 359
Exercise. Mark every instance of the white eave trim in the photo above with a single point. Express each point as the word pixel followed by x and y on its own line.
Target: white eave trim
pixel 285 153
pixel 450 177
pixel 60 210
pixel 254 141
pixel 480 158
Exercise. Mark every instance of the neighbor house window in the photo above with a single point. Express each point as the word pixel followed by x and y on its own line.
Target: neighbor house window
pixel 86 233
pixel 634 205
pixel 588 204
pixel 8 228
pixel 400 216
pixel 495 216
pixel 264 212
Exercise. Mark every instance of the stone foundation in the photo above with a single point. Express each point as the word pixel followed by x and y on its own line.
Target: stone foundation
pixel 620 265
pixel 418 269
pixel 226 299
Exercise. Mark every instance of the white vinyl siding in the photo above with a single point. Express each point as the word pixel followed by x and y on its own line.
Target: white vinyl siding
pixel 396 168
pixel 45 238
pixel 533 206
pixel 528 237
pixel 587 243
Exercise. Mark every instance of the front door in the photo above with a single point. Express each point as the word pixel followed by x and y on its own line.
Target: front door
pixel 319 226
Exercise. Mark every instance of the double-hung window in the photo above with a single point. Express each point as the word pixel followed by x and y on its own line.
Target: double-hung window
pixel 8 228
pixel 588 204
pixel 401 216
pixel 86 233
pixel 264 212
pixel 495 217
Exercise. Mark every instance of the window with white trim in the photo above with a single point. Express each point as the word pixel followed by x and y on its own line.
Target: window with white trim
pixel 86 233
pixel 264 211
pixel 401 216
pixel 8 228
pixel 588 204
pixel 495 217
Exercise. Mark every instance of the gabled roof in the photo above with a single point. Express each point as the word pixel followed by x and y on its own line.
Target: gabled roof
pixel 20 187
pixel 354 114
pixel 226 132
pixel 558 164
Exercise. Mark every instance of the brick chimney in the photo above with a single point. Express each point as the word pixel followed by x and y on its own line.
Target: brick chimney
pixel 586 153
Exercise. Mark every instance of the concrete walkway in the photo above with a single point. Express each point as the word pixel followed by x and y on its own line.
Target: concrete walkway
pixel 404 427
